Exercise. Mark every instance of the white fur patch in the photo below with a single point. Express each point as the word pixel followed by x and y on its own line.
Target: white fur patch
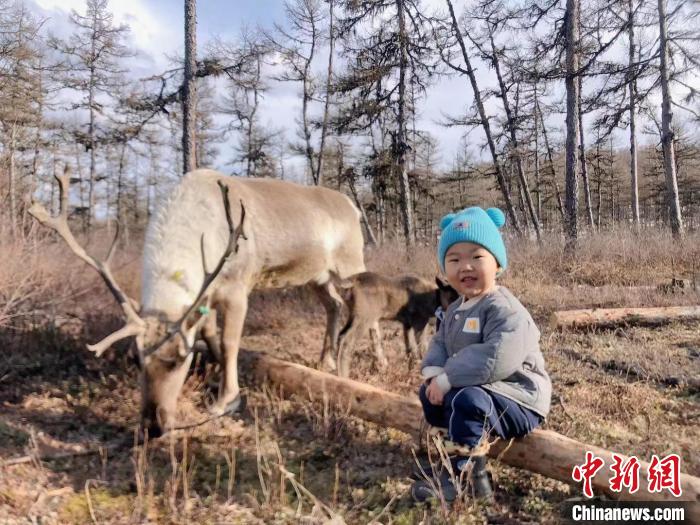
pixel 172 260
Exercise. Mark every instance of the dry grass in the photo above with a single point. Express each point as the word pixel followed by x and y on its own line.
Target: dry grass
pixel 287 461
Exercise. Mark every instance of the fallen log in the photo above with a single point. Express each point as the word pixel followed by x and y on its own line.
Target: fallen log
pixel 609 317
pixel 543 451
pixel 634 371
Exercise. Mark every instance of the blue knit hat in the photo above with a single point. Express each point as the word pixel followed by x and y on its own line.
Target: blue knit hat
pixel 477 226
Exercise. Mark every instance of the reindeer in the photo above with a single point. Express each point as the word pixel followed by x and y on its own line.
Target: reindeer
pixel 371 297
pixel 286 235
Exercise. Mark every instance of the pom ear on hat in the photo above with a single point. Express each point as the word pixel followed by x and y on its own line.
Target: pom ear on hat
pixel 446 220
pixel 497 216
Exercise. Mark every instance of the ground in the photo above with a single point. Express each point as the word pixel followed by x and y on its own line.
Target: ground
pixel 629 389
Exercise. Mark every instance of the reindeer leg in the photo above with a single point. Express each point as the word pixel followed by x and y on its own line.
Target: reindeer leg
pixel 422 341
pixel 421 337
pixel 211 338
pixel 358 326
pixel 333 304
pixel 376 335
pixel 409 337
pixel 234 312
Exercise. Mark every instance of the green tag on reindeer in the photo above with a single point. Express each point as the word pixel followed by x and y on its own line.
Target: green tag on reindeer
pixel 204 310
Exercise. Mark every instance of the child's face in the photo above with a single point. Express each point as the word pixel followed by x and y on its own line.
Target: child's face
pixel 470 269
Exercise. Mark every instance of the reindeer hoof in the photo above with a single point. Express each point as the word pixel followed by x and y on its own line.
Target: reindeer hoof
pixel 329 363
pixel 237 405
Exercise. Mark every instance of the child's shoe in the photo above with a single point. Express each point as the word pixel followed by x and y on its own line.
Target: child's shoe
pixel 477 482
pixel 423 490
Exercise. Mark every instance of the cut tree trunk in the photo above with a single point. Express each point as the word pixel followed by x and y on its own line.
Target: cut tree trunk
pixel 606 317
pixel 543 451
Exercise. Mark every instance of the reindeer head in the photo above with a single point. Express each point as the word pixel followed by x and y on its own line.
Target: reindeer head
pixel 446 295
pixel 164 345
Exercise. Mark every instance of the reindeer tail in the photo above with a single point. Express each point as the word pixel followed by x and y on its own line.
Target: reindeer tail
pixel 339 282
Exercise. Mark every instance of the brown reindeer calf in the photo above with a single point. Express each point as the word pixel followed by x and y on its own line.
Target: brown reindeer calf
pixel 371 297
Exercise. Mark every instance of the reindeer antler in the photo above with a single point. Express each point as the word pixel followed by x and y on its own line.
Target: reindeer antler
pixel 135 324
pixel 235 233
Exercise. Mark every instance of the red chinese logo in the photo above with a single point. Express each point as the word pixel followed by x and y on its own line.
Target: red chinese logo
pixel 626 474
pixel 587 471
pixel 662 473
pixel 665 474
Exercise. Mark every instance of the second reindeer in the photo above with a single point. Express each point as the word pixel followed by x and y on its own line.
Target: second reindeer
pixel 372 297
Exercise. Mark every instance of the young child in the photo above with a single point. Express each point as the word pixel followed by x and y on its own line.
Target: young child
pixel 484 372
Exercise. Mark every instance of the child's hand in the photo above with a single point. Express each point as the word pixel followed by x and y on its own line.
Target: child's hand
pixel 434 394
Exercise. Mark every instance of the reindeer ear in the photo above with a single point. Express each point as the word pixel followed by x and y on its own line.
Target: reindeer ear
pixel 440 283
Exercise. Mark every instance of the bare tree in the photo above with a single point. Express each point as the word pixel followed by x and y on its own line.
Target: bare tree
pixel 632 86
pixel 246 90
pixel 495 17
pixel 468 70
pixel 667 127
pixel 386 44
pixel 21 96
pixel 93 55
pixel 582 157
pixel 572 114
pixel 297 47
pixel 329 82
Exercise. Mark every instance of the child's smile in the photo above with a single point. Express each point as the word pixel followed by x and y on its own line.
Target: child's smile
pixel 470 269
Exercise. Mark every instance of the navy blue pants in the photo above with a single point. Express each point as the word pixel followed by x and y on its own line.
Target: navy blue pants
pixel 470 412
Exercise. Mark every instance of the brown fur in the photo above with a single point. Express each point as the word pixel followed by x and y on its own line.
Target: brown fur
pixel 372 297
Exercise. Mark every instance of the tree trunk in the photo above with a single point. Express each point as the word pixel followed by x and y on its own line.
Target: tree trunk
pixel 381 209
pixel 510 209
pixel 93 160
pixel 326 104
pixel 189 89
pixel 37 136
pixel 572 129
pixel 600 204
pixel 400 146
pixel 538 187
pixel 12 182
pixel 667 137
pixel 632 84
pixel 550 159
pixel 250 165
pixel 54 178
pixel 120 185
pixel 584 168
pixel 515 147
pixel 371 238
pixel 306 97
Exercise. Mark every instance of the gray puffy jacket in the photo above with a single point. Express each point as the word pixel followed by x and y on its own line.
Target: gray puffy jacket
pixel 491 342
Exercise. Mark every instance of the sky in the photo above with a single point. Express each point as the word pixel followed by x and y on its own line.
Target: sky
pixel 157 32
